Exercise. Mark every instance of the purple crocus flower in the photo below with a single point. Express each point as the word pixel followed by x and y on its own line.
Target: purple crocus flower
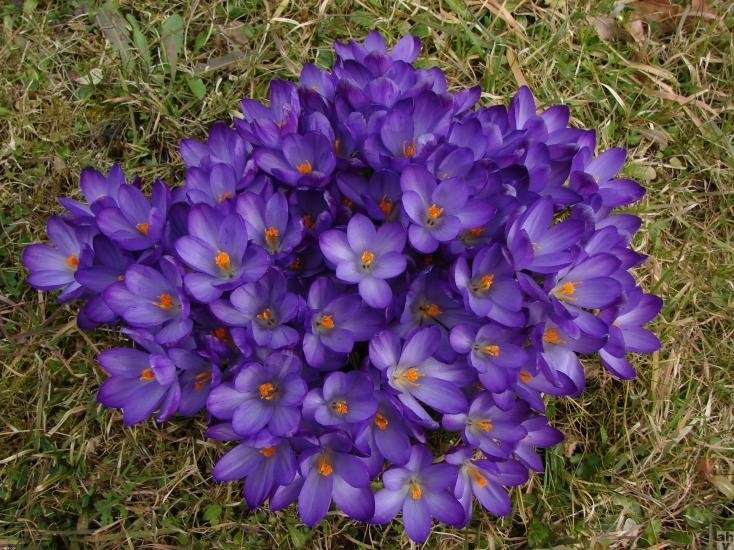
pixel 490 289
pixel 423 491
pixel 346 398
pixel 269 224
pixel 304 160
pixel 140 382
pixel 387 432
pixel 493 351
pixel 485 480
pixel 216 186
pixel 265 306
pixel 148 297
pixel 197 377
pixel 487 426
pixel 262 395
pixel 99 191
pixel 588 283
pixel 264 460
pixel 367 256
pixel 415 374
pixel 329 471
pixel 266 126
pixel 223 146
pixel 216 248
pixel 337 321
pixel 54 266
pixel 539 435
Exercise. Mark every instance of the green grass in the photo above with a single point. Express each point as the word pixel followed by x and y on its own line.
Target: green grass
pixel 645 463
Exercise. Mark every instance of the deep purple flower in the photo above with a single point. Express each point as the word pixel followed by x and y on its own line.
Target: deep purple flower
pixel 266 126
pixel 216 249
pixel 99 191
pixel 423 491
pixel 367 256
pixel 223 146
pixel 198 375
pixel 269 223
pixel 346 398
pixel 262 395
pixel 304 161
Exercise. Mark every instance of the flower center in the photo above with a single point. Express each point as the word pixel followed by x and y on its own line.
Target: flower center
pixel 72 261
pixel 308 221
pixel 347 202
pixel 412 375
pixel 222 260
pixel 201 379
pixel 415 490
pixel 486 281
pixel 567 290
pixel 386 205
pixel 551 336
pixel 304 168
pixel 478 478
pixel 340 407
pixel 409 149
pixel 221 333
pixel 267 391
pixel 367 258
pixel 271 236
pixel 381 421
pixel 267 317
pixel 324 467
pixel 165 301
pixel 327 322
pixel 146 375
pixel 268 451
pixel 430 310
pixel 525 376
pixel 475 231
pixel 434 212
pixel 142 227
pixel 223 196
pixel 120 277
pixel 485 424
pixel 491 349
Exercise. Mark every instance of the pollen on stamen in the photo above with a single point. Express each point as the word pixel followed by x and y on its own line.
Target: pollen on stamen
pixel 224 196
pixel 222 260
pixel 415 491
pixel 142 228
pixel 221 333
pixel 304 168
pixel 525 376
pixel 485 424
pixel 295 265
pixel 147 375
pixel 327 322
pixel 485 283
pixel 430 310
pixel 367 258
pixel 324 468
pixel 475 231
pixel 271 236
pixel 386 205
pixel 409 149
pixel 72 261
pixel 551 336
pixel 567 290
pixel 434 212
pixel 201 379
pixel 478 478
pixel 267 391
pixel 381 421
pixel 491 349
pixel 165 301
pixel 340 407
pixel 412 375
pixel 308 221
pixel 266 315
pixel 268 451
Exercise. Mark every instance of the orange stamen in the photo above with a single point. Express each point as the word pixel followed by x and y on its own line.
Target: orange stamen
pixel 267 452
pixel 304 168
pixel 475 231
pixel 434 211
pixel 347 202
pixel 486 281
pixel 266 314
pixel 223 196
pixel 165 301
pixel 551 336
pixel 324 467
pixel 567 290
pixel 295 265
pixel 327 321
pixel 381 421
pixel 72 261
pixel 201 379
pixel 222 260
pixel 485 424
pixel 415 490
pixel 308 221
pixel 412 375
pixel 341 407
pixel 386 205
pixel 430 310
pixel 271 236
pixel 367 258
pixel 147 375
pixel 267 391
pixel 142 227
pixel 120 277
pixel 525 376
pixel 491 349
pixel 476 476
pixel 221 333
pixel 409 149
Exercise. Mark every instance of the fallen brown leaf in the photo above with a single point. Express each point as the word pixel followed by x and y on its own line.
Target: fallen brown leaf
pixel 666 16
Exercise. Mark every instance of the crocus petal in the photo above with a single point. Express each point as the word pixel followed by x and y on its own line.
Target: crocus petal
pixel 315 497
pixel 417 519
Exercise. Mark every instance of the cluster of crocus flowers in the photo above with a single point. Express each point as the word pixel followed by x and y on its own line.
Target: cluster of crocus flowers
pixel 366 259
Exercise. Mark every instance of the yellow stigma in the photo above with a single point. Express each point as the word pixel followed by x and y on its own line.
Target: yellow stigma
pixel 434 211
pixel 486 281
pixel 304 168
pixel 340 407
pixel 267 452
pixel 201 379
pixel 267 391
pixel 551 336
pixel 271 236
pixel 381 421
pixel 165 301
pixel 430 310
pixel 324 467
pixel 409 149
pixel 525 376
pixel 485 424
pixel 147 375
pixel 72 261
pixel 223 196
pixel 327 321
pixel 142 227
pixel 367 258
pixel 412 375
pixel 478 478
pixel 386 205
pixel 491 349
pixel 415 490
pixel 567 290
pixel 222 260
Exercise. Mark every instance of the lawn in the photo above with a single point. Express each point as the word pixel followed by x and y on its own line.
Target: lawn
pixel 645 463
